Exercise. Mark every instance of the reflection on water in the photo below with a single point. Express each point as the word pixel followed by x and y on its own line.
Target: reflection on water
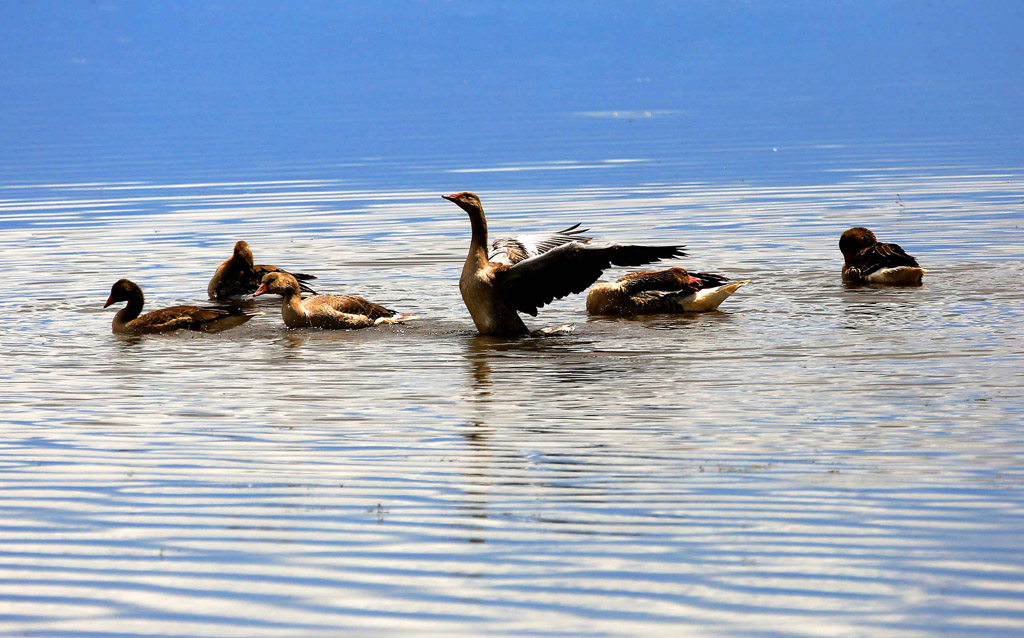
pixel 811 449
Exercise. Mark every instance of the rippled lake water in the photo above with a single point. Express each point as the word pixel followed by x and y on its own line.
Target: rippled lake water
pixel 812 460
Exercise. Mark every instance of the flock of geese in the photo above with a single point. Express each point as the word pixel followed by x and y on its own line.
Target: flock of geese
pixel 499 280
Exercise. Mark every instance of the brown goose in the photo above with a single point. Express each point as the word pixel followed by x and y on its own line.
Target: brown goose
pixel 660 291
pixel 324 311
pixel 521 274
pixel 868 260
pixel 238 276
pixel 128 321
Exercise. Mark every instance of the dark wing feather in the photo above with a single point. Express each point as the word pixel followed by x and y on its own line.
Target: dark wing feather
pixel 572 233
pixel 176 317
pixel 709 279
pixel 669 279
pixel 512 250
pixel 880 256
pixel 263 269
pixel 568 269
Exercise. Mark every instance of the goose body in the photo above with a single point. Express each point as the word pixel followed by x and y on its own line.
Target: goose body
pixel 522 274
pixel 128 319
pixel 660 291
pixel 334 312
pixel 869 261
pixel 239 276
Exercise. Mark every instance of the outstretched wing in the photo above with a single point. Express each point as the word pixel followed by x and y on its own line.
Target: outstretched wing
pixel 568 269
pixel 881 256
pixel 512 250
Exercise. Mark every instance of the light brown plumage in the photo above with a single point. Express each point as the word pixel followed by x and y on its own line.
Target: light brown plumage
pixel 324 311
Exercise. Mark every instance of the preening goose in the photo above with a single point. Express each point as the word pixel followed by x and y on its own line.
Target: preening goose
pixel 868 260
pixel 660 291
pixel 238 276
pixel 324 311
pixel 128 321
pixel 521 274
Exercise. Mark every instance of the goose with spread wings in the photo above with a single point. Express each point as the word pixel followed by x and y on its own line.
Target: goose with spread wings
pixel 521 274
pixel 869 261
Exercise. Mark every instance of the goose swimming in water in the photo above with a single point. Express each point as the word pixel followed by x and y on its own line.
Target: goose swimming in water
pixel 660 291
pixel 238 276
pixel 521 274
pixel 324 311
pixel 128 321
pixel 871 261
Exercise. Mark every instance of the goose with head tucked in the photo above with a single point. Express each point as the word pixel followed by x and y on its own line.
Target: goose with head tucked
pixel 239 276
pixel 869 261
pixel 660 291
pixel 128 319
pixel 522 274
pixel 335 312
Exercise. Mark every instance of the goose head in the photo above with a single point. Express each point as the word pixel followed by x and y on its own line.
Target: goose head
pixel 855 240
pixel 278 283
pixel 467 201
pixel 124 290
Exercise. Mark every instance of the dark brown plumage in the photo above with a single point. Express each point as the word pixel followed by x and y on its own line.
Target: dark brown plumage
pixel 868 260
pixel 238 276
pixel 522 274
pixel 128 321
pixel 669 280
pixel 660 291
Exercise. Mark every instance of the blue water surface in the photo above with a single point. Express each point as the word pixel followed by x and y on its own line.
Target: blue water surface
pixel 390 93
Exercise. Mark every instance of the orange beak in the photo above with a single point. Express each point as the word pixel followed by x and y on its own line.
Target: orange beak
pixel 451 198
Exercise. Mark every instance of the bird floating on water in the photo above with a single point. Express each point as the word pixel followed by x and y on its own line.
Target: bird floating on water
pixel 324 311
pixel 871 261
pixel 238 276
pixel 128 321
pixel 660 291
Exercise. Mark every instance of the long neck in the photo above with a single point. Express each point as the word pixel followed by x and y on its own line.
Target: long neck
pixel 292 312
pixel 129 312
pixel 478 245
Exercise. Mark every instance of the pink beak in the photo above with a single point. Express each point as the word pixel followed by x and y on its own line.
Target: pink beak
pixel 259 291
pixel 110 300
pixel 451 197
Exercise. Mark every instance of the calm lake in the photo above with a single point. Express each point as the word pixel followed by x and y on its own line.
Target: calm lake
pixel 813 460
